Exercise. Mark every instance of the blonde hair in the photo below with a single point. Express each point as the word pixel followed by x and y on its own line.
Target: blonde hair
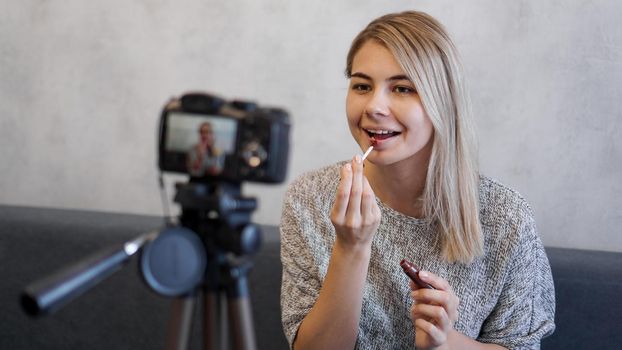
pixel 429 58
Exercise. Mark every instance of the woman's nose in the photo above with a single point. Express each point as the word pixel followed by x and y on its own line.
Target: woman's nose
pixel 378 105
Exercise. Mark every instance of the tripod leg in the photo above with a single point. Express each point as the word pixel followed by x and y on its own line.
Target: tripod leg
pixel 215 333
pixel 240 315
pixel 241 320
pixel 180 323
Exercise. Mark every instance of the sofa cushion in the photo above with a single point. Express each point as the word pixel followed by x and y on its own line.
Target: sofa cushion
pixel 588 285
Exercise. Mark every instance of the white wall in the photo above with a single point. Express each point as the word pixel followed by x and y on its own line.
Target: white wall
pixel 82 84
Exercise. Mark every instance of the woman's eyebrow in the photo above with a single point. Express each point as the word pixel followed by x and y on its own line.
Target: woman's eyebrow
pixel 399 77
pixel 360 75
pixel 367 77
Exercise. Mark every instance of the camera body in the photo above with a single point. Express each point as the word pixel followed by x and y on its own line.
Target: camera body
pixel 212 139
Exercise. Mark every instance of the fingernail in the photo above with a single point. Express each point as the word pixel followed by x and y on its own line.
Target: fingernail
pixel 423 274
pixel 349 167
pixel 357 159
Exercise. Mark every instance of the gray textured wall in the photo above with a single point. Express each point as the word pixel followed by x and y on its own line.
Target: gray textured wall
pixel 82 84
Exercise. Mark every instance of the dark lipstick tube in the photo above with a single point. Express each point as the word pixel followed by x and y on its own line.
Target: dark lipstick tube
pixel 412 271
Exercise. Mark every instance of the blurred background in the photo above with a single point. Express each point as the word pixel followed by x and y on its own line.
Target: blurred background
pixel 82 84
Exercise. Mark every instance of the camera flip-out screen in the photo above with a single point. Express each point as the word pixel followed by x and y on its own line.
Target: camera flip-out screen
pixel 198 144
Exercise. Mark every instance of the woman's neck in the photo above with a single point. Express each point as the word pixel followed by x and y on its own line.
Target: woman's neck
pixel 400 186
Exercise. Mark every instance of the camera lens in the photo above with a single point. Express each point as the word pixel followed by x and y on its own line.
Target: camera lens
pixel 254 154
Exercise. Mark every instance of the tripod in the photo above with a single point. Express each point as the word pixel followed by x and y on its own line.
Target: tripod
pixel 220 218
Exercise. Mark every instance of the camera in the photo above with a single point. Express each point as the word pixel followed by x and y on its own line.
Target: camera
pixel 212 139
pixel 219 144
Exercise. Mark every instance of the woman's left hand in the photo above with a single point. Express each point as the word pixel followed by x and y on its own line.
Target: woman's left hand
pixel 434 311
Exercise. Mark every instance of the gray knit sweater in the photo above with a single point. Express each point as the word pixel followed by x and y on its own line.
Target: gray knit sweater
pixel 506 296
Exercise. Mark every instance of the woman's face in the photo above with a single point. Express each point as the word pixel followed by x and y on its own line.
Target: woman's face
pixel 206 134
pixel 382 104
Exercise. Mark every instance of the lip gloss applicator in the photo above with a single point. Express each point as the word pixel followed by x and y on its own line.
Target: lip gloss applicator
pixel 373 143
pixel 367 152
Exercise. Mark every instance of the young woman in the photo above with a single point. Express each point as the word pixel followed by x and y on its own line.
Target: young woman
pixel 417 196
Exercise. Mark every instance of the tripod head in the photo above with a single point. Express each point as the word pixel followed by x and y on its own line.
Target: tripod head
pixel 218 212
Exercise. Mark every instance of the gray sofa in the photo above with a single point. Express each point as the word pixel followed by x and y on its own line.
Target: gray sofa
pixel 123 313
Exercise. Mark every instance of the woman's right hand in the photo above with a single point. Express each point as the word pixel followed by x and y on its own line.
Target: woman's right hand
pixel 355 213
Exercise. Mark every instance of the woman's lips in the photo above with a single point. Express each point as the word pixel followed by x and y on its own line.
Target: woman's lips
pixel 381 134
pixel 377 139
pixel 384 136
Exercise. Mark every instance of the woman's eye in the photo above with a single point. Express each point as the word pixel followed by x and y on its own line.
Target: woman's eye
pixel 403 89
pixel 361 87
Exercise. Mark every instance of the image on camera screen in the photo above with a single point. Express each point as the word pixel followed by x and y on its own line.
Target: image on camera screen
pixel 204 139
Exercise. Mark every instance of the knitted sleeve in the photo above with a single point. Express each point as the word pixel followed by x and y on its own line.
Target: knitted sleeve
pixel 526 307
pixel 300 283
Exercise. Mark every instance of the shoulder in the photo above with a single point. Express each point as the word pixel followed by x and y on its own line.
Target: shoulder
pixel 311 194
pixel 507 220
pixel 305 216
pixel 499 202
pixel 315 182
